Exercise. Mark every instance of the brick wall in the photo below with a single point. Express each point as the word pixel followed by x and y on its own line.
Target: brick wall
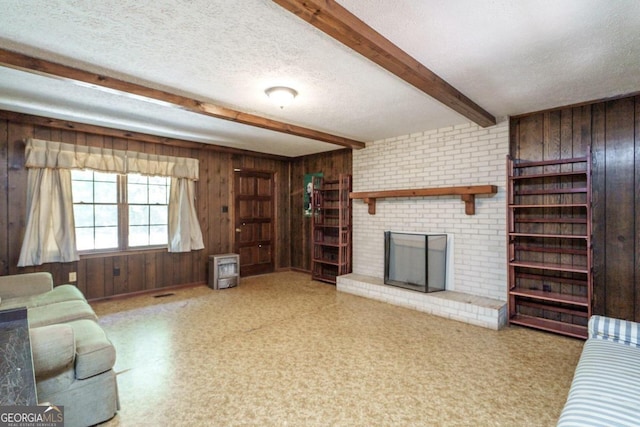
pixel 452 156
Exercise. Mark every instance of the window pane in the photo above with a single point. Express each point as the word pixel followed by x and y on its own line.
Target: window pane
pixel 106 215
pixel 106 238
pixel 82 175
pixel 158 180
pixel 106 192
pixel 138 215
pixel 84 239
pixel 148 212
pixel 138 193
pixel 139 235
pixel 135 178
pixel 82 191
pixel 105 177
pixel 96 224
pixel 158 215
pixel 83 216
pixel 158 235
pixel 158 194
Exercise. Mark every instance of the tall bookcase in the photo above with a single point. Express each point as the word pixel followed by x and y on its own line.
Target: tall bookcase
pixel 331 228
pixel 549 244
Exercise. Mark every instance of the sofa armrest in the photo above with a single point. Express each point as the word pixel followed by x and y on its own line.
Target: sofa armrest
pixel 24 285
pixel 53 349
pixel 615 330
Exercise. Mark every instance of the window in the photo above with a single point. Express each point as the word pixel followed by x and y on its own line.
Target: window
pixel 102 223
pixel 100 200
pixel 148 199
pixel 95 208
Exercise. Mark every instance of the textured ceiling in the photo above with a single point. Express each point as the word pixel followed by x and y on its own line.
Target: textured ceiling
pixel 510 57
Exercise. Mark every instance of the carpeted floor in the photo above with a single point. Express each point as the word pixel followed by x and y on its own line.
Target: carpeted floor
pixel 282 350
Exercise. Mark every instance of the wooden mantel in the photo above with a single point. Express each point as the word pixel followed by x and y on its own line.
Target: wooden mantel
pixel 466 193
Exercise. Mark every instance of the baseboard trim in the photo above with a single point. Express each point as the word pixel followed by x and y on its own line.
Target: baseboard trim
pixel 148 292
pixel 300 270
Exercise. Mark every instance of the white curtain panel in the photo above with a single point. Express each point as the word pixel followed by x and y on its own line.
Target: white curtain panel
pixel 184 229
pixel 49 218
pixel 50 231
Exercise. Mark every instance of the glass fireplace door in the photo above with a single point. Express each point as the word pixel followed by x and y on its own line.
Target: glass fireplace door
pixel 415 261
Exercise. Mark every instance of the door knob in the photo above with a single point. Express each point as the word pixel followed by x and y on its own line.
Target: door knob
pixel 238 230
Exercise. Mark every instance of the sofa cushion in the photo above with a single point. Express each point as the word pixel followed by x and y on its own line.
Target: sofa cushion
pixel 20 285
pixel 605 388
pixel 94 352
pixel 53 350
pixel 615 330
pixel 60 312
pixel 58 294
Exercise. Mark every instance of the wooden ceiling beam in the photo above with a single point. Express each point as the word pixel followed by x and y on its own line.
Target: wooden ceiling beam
pixel 84 78
pixel 129 135
pixel 336 21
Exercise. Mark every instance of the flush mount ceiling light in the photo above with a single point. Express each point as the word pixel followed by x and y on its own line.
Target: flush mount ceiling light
pixel 281 95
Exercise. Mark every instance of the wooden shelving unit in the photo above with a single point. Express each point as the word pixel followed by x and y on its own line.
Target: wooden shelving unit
pixel 549 244
pixel 331 228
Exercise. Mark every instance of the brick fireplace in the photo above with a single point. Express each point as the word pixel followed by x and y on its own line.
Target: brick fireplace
pixel 453 156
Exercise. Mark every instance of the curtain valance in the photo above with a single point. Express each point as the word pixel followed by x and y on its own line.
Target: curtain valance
pixel 59 155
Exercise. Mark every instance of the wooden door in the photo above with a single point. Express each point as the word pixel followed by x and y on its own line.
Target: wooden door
pixel 254 221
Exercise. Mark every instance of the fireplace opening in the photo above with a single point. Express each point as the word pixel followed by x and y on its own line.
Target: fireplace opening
pixel 415 261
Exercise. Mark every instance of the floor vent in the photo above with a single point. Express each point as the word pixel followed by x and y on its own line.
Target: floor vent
pixel 164 295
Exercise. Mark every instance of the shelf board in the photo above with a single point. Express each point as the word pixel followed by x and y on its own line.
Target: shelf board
pixel 554 279
pixel 324 278
pixel 542 191
pixel 542 249
pixel 331 245
pixel 555 308
pixel 551 296
pixel 326 261
pixel 467 195
pixel 568 329
pixel 548 235
pixel 551 220
pixel 550 175
pixel 549 205
pixel 531 164
pixel 548 266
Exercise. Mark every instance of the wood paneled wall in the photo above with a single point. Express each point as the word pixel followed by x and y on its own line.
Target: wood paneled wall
pixel 331 164
pixel 609 131
pixel 141 270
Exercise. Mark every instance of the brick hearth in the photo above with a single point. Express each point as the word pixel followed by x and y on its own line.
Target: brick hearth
pixel 481 311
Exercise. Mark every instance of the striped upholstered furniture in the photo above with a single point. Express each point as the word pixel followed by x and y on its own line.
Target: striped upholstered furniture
pixel 606 386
